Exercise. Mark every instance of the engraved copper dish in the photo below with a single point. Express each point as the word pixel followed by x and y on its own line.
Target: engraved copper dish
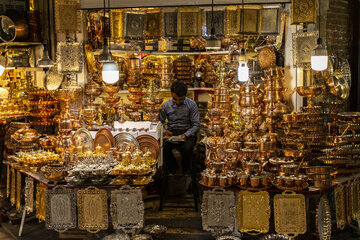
pixel 104 140
pixel 149 143
pixel 54 173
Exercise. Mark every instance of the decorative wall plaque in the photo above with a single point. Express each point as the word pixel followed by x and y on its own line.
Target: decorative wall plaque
pixel 8 181
pixel 170 24
pixel 116 24
pixel 29 194
pixel 94 29
pixel 18 190
pixel 127 209
pixel 153 24
pixel 233 21
pixel 134 24
pixel 218 211
pixel 69 57
pixel 60 209
pixel 355 200
pixel 252 19
pixel 270 19
pixel 303 44
pixel 253 212
pixel 348 192
pixel 340 206
pixel 303 11
pixel 40 201
pixel 219 23
pixel 323 219
pixel 67 16
pixel 92 209
pixel 13 187
pixel 188 22
pixel 290 214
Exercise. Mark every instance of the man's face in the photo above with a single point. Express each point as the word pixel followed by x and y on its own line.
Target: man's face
pixel 178 100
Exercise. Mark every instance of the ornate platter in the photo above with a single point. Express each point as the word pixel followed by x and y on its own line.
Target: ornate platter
pixel 153 24
pixel 253 212
pixel 323 219
pixel 252 19
pixel 40 201
pixel 149 143
pixel 188 22
pixel 92 209
pixel 67 16
pixel 126 142
pixel 219 22
pixel 134 24
pixel 303 11
pixel 60 209
pixel 270 21
pixel 69 57
pixel 355 200
pixel 266 58
pixel 127 209
pixel 340 206
pixel 218 211
pixel 29 195
pixel 53 79
pixel 82 138
pixel 104 139
pixel 290 214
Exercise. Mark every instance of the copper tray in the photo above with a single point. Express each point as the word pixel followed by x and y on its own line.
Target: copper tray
pixel 149 143
pixel 126 142
pixel 104 139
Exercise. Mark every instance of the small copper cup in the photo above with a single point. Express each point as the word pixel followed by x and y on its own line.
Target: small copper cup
pixel 205 178
pixel 243 180
pixel 255 181
pixel 288 181
pixel 212 180
pixel 265 180
pixel 231 179
pixel 223 181
pixel 280 180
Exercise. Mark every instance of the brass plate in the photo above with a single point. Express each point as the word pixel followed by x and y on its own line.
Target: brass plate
pixel 188 22
pixel 355 196
pixel 253 212
pixel 219 23
pixel 69 57
pixel 18 190
pixel 127 209
pixel 149 143
pixel 40 201
pixel 105 139
pixel 53 79
pixel 60 209
pixel 340 202
pixel 67 16
pixel 29 195
pixel 8 181
pixel 13 187
pixel 303 44
pixel 267 57
pixel 170 24
pixel 303 11
pixel 153 24
pixel 134 24
pixel 270 20
pixel 233 21
pixel 290 214
pixel 92 209
pixel 116 24
pixel 252 19
pixel 323 219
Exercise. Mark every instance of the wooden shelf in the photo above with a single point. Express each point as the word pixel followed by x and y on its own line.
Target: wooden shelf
pixel 21 44
pixel 114 51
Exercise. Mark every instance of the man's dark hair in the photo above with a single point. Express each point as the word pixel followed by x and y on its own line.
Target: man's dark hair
pixel 179 88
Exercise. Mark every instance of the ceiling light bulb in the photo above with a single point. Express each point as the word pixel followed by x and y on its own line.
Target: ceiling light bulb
pixel 110 72
pixel 319 57
pixel 243 72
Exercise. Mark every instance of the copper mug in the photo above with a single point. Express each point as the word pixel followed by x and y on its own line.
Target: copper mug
pixel 243 180
pixel 255 181
pixel 223 181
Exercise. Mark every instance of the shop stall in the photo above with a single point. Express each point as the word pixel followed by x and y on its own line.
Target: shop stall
pixel 82 136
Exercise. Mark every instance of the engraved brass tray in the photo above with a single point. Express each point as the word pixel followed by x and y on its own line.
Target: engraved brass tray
pixel 69 57
pixel 323 219
pixel 134 24
pixel 60 209
pixel 303 44
pixel 218 211
pixel 127 209
pixel 67 16
pixel 29 195
pixel 40 201
pixel 92 209
pixel 253 212
pixel 233 21
pixel 290 214
pixel 340 206
pixel 116 24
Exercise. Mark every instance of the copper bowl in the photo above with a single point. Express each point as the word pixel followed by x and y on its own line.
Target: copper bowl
pixel 111 101
pixel 134 98
pixel 135 90
pixel 309 91
pixel 110 89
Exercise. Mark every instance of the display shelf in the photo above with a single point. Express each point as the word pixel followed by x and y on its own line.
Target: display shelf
pixel 189 89
pixel 21 44
pixel 114 51
pixel 26 68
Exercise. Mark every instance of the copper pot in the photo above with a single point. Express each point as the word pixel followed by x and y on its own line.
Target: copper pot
pixel 223 181
pixel 322 184
pixel 22 29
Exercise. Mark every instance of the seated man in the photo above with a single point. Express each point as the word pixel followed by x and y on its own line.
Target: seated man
pixel 182 120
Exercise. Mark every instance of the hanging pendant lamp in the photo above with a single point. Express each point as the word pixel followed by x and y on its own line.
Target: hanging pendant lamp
pixel 212 43
pixel 319 56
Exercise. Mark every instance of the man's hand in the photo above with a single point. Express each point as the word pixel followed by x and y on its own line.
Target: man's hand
pixel 168 133
pixel 183 136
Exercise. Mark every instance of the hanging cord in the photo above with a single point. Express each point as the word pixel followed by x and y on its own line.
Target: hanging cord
pixel 319 40
pixel 212 32
pixel 243 24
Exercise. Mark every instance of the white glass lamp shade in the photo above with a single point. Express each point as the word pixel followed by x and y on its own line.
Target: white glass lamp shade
pixel 2 69
pixel 319 58
pixel 243 72
pixel 110 72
